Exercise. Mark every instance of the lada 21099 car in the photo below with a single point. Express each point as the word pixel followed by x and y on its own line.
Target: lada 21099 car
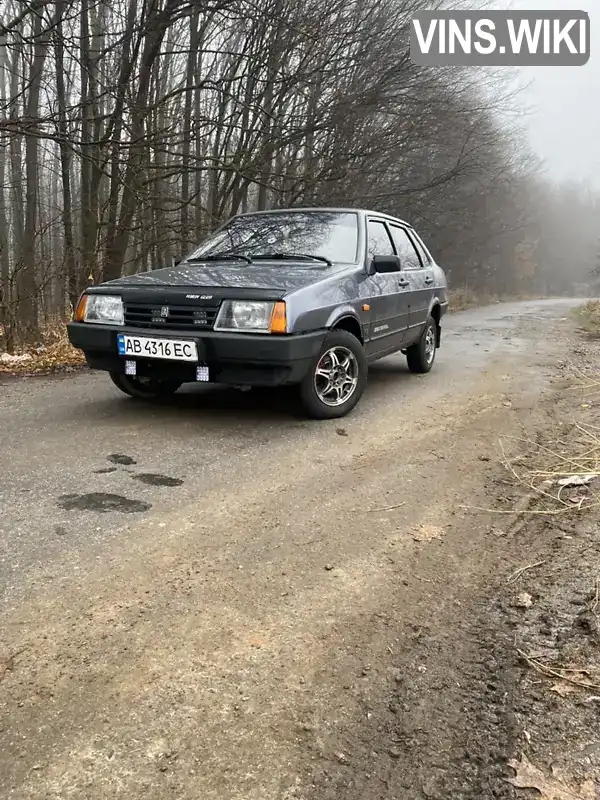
pixel 296 296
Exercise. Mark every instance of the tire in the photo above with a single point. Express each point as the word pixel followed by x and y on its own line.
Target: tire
pixel 421 355
pixel 149 390
pixel 341 361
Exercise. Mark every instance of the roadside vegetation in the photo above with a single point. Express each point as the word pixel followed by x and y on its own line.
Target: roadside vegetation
pixel 551 601
pixel 53 353
pixel 588 317
pixel 462 299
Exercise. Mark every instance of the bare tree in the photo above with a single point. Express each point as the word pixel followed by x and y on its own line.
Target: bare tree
pixel 129 130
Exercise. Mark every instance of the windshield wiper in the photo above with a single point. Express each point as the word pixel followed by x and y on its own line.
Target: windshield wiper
pixel 291 257
pixel 224 257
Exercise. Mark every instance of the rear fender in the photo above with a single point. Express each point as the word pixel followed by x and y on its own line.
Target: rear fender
pixel 436 306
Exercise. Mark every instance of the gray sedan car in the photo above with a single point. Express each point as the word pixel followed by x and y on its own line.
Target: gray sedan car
pixel 305 296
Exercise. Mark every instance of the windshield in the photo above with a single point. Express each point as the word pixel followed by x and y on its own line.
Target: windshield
pixel 329 234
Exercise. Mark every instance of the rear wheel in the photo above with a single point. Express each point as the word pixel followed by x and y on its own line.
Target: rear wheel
pixel 421 354
pixel 337 377
pixel 144 388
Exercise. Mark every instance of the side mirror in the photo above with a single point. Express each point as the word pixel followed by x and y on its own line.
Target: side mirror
pixel 386 264
pixel 177 261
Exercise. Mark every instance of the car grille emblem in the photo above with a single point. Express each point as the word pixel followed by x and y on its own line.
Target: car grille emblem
pixel 164 311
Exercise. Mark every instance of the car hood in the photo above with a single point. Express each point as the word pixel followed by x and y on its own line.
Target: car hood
pixel 281 276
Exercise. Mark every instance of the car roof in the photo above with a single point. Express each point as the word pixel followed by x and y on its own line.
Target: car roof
pixel 338 210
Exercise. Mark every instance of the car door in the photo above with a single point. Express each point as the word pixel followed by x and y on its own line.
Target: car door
pixel 389 308
pixel 419 275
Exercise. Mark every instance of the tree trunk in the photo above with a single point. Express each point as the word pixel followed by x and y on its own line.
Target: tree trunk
pixel 198 149
pixel 71 272
pixel 5 277
pixel 187 133
pixel 16 187
pixel 27 285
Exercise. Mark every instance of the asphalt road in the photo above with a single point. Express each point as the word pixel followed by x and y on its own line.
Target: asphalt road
pixel 215 520
pixel 61 437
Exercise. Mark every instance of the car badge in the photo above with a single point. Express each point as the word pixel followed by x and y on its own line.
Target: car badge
pixel 164 311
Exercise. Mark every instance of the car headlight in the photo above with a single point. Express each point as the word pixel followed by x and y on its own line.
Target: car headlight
pixel 251 316
pixel 102 308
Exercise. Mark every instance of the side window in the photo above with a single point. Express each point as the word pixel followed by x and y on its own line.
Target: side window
pixel 405 248
pixel 379 240
pixel 425 257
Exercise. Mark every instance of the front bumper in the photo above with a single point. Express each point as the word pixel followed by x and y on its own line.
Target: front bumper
pixel 232 358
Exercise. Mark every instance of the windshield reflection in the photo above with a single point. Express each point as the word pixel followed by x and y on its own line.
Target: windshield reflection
pixel 329 234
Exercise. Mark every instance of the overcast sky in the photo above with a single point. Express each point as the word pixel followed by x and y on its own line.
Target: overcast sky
pixel 565 128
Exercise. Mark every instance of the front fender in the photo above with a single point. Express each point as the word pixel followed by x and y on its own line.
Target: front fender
pixel 338 313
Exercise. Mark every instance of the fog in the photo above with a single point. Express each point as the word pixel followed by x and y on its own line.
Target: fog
pixel 564 121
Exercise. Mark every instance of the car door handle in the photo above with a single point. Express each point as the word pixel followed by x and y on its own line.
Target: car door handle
pixel 428 280
pixel 403 282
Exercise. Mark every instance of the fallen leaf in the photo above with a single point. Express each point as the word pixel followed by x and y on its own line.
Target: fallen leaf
pixel 56 354
pixel 255 642
pixel 577 480
pixel 530 777
pixel 426 533
pixel 563 689
pixel 579 680
pixel 5 666
pixel 7 663
pixel 7 358
pixel 523 600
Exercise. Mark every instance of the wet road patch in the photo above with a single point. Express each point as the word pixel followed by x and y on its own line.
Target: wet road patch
pixel 102 502
pixel 121 458
pixel 152 479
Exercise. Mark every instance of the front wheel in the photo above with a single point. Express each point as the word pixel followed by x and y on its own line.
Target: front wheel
pixel 144 388
pixel 421 354
pixel 336 379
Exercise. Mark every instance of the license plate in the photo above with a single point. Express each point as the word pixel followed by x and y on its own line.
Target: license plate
pixel 146 347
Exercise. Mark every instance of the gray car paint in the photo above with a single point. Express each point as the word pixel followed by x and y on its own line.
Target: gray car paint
pixel 317 296
pixel 322 304
pixel 280 277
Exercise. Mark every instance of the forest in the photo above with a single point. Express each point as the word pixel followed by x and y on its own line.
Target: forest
pixel 130 129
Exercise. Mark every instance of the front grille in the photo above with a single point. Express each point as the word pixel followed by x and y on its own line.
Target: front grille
pixel 173 318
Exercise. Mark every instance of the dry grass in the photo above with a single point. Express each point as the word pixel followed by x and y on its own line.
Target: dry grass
pixel 588 316
pixel 462 299
pixel 55 354
pixel 563 476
